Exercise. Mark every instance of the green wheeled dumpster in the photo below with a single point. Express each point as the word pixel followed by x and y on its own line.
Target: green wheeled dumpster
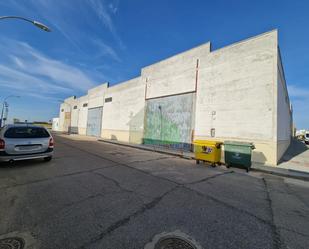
pixel 238 154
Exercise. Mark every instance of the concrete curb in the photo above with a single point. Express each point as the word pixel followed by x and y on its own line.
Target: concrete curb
pixel 185 155
pixel 290 173
pixel 295 174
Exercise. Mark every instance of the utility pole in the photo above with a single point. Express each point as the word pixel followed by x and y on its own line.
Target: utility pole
pixel 5 105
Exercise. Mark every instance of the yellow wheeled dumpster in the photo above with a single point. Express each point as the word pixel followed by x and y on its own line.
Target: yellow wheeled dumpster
pixel 207 151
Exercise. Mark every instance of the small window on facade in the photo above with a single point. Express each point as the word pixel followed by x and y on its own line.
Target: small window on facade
pixel 75 107
pixel 62 110
pixel 108 99
pixel 85 105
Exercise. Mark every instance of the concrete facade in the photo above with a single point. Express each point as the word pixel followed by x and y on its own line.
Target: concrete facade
pixel 169 121
pixel 66 115
pixel 123 114
pixel 234 93
pixel 284 109
pixel 175 75
pixel 55 125
pixel 82 114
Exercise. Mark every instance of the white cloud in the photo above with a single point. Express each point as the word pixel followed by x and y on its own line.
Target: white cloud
pixel 57 71
pixel 113 8
pixel 300 101
pixel 103 14
pixel 66 17
pixel 17 80
pixel 17 61
pixel 105 50
pixel 298 92
pixel 31 71
pixel 64 14
pixel 99 8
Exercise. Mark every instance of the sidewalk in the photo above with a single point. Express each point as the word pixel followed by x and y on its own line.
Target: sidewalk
pixel 184 154
pixel 296 157
pixel 288 168
pixel 280 171
pixel 295 163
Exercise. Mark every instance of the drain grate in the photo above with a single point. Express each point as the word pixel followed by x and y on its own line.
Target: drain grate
pixel 173 243
pixel 12 243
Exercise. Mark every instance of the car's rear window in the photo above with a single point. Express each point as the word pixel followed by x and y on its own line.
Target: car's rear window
pixel 26 132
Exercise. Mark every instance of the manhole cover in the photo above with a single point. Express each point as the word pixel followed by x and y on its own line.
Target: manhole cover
pixel 12 243
pixel 173 243
pixel 173 240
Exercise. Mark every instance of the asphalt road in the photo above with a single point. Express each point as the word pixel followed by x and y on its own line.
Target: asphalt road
pixel 99 195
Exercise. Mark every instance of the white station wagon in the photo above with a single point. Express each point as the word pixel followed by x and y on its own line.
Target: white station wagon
pixel 22 142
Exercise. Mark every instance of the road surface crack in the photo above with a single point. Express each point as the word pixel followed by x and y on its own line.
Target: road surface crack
pixel 230 206
pixel 55 177
pixel 278 243
pixel 151 160
pixel 126 220
pixel 294 193
pixel 293 231
pixel 210 177
pixel 121 164
pixel 119 185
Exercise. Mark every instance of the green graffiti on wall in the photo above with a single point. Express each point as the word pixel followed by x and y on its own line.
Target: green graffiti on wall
pixel 169 120
pixel 161 128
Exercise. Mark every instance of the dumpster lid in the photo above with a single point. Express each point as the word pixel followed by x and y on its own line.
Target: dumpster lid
pixel 238 143
pixel 209 142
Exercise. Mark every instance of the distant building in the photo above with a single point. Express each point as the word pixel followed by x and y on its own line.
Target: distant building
pixel 55 126
pixel 47 125
pixel 16 120
pixel 237 93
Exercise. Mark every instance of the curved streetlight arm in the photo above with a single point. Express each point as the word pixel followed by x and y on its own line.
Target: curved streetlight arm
pixel 16 17
pixel 37 24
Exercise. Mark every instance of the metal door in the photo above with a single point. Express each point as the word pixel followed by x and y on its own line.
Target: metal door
pixel 94 122
pixel 169 121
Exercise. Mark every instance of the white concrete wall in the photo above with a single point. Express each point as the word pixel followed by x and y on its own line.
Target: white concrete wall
pixel 174 75
pixel 236 94
pixel 284 118
pixel 123 118
pixel 61 117
pixel 65 113
pixel 83 113
pixel 74 118
pixel 239 93
pixel 55 125
pixel 96 96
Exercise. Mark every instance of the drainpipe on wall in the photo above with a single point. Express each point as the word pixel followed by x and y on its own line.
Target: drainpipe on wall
pixel 160 108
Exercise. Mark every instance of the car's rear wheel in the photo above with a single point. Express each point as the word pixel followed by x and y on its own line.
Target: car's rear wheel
pixel 47 159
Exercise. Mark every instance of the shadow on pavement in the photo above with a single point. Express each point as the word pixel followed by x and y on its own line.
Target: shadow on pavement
pixel 21 164
pixel 296 148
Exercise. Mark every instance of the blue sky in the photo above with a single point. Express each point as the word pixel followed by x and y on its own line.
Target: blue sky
pixel 96 41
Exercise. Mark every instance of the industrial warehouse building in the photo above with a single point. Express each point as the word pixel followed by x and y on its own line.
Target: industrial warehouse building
pixel 234 93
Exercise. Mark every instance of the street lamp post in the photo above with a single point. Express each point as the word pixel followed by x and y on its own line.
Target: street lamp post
pixel 3 105
pixel 35 23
